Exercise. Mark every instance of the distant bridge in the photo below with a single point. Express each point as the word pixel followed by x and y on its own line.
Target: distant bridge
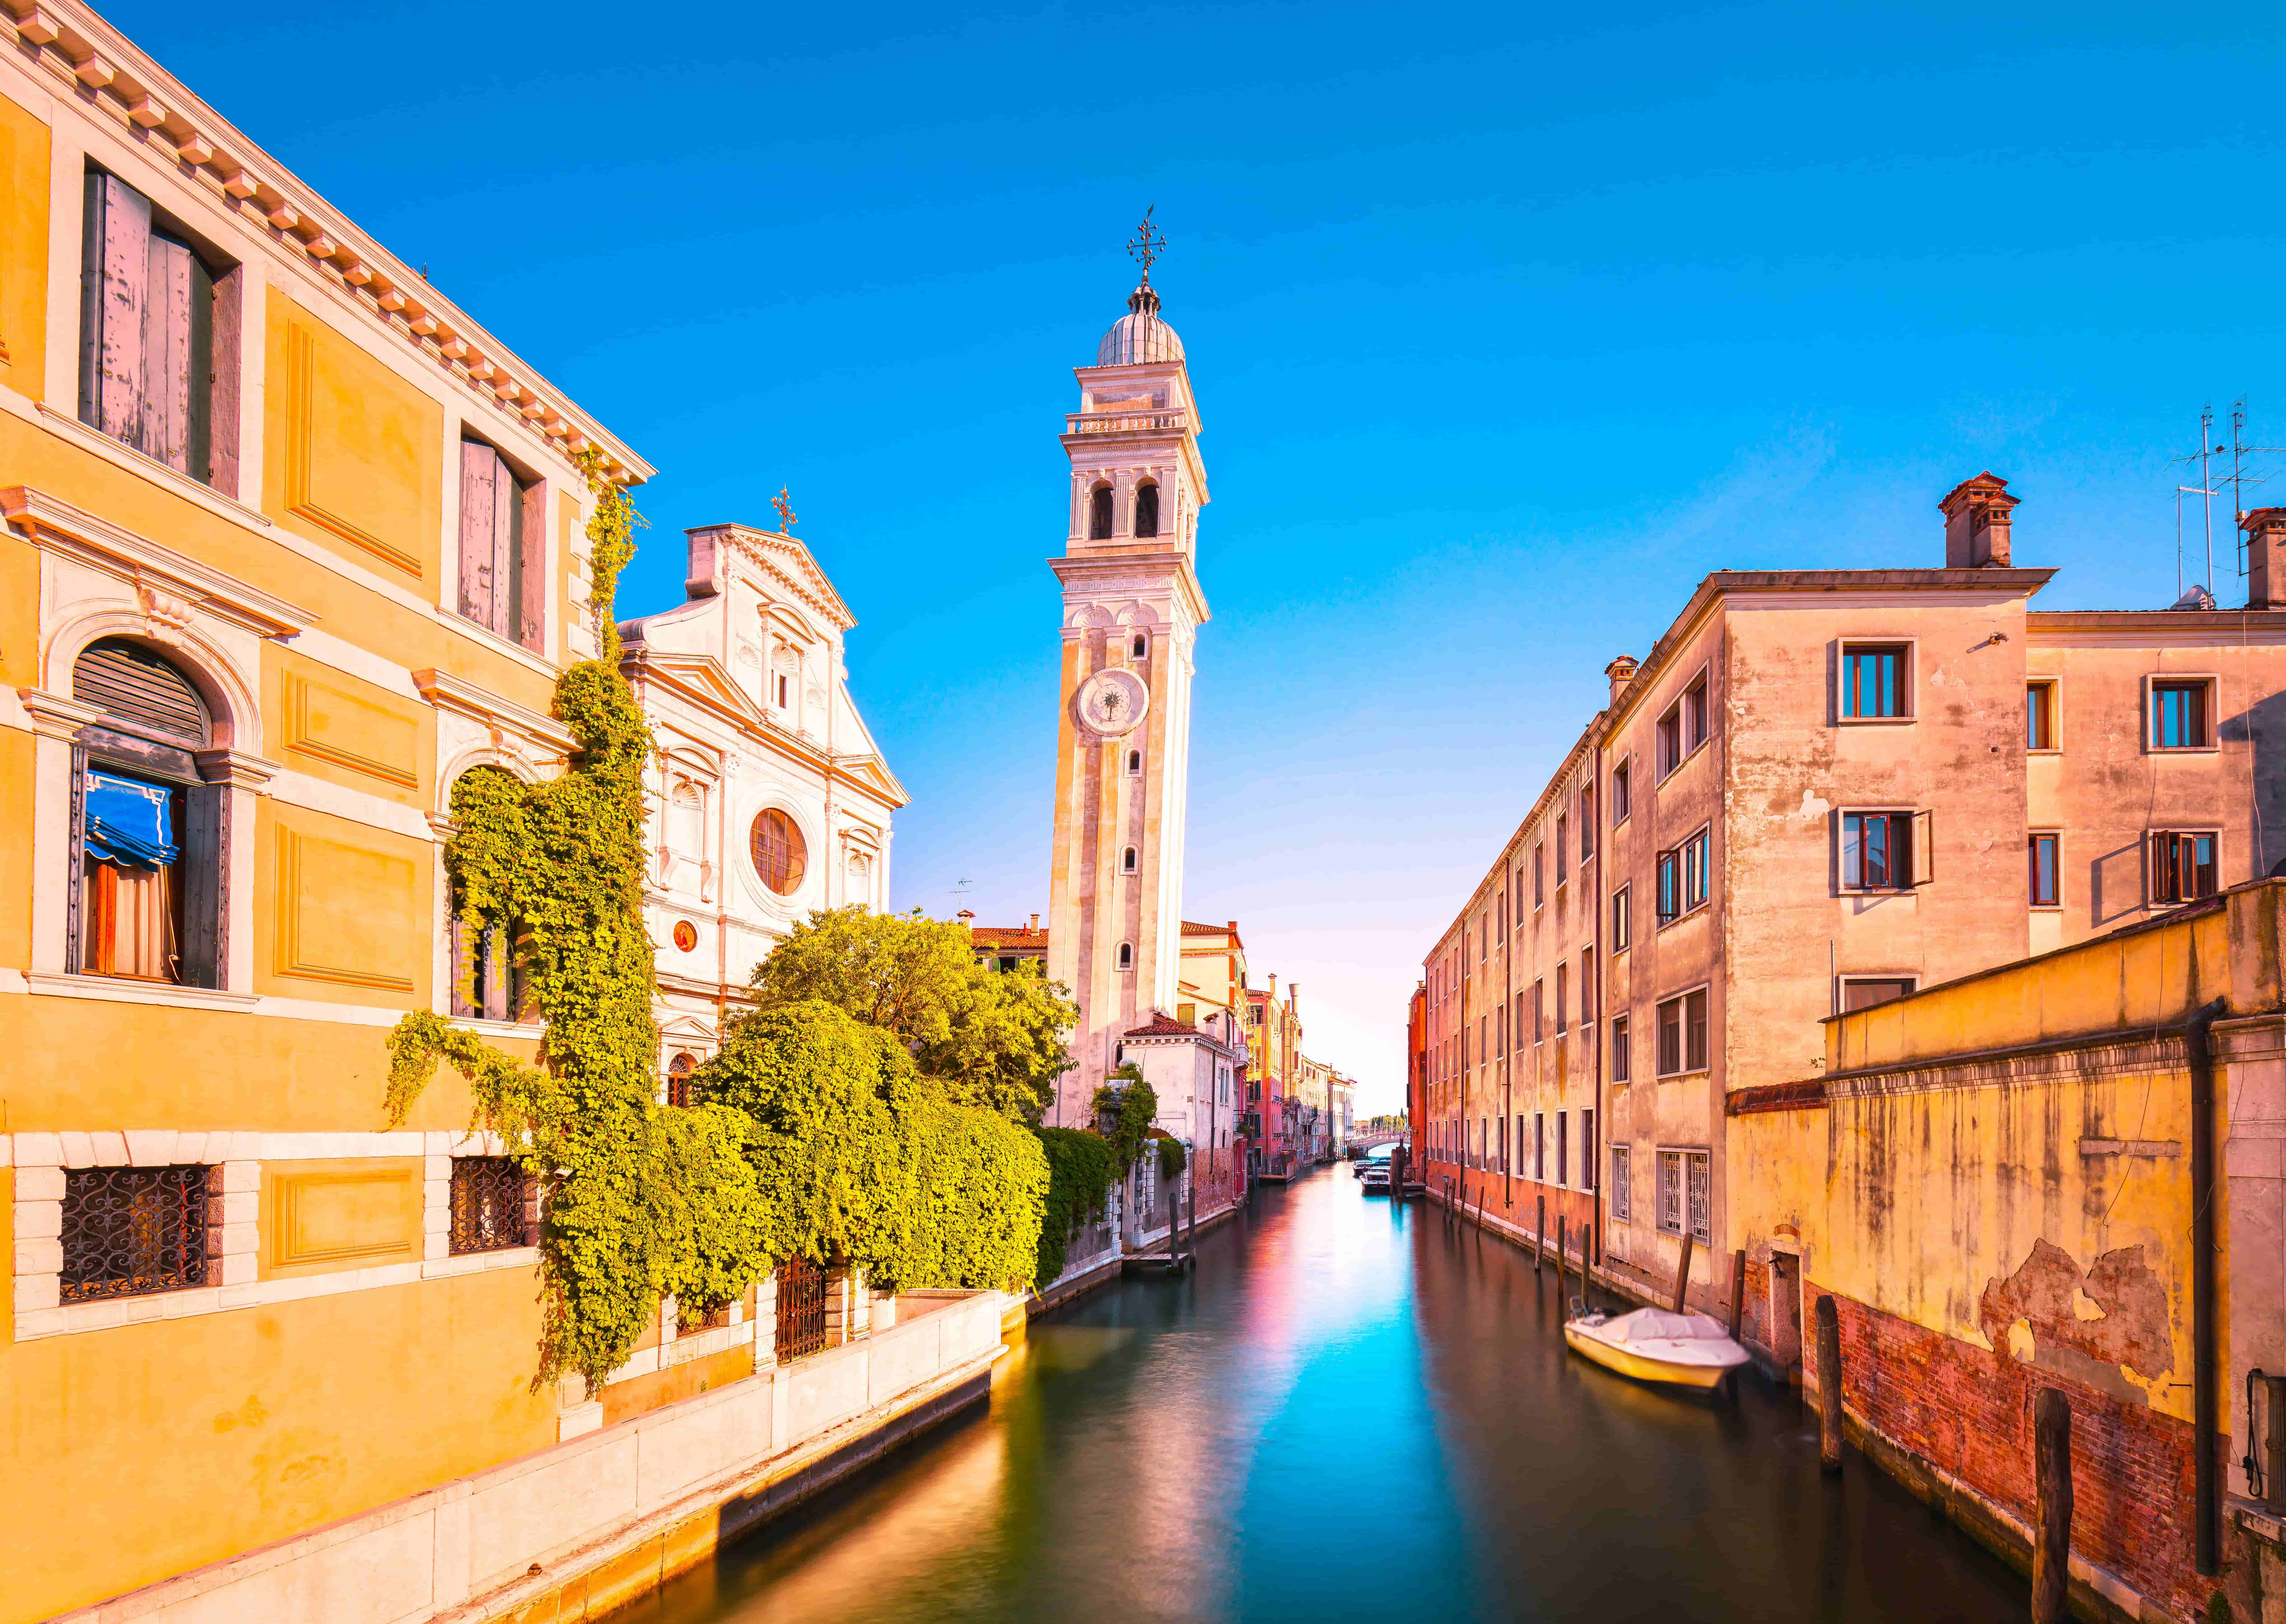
pixel 1371 1139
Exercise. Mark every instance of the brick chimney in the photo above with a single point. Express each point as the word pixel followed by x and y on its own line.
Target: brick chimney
pixel 1622 672
pixel 1035 924
pixel 2265 557
pixel 1976 523
pixel 967 921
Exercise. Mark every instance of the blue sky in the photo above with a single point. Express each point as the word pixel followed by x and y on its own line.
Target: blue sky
pixel 1507 325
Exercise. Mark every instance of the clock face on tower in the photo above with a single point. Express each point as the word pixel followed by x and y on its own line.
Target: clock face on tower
pixel 1113 702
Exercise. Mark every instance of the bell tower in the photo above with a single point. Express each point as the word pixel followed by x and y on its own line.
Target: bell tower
pixel 1131 609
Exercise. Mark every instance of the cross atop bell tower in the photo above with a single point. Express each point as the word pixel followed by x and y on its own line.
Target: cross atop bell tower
pixel 1131 609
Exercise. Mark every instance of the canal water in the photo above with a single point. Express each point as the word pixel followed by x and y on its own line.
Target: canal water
pixel 1350 1409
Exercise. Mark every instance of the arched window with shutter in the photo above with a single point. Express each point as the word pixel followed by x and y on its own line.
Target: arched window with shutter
pixel 147 835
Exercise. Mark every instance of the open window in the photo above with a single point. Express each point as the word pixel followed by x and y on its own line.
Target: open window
pixel 2182 865
pixel 503 548
pixel 146 870
pixel 1886 851
pixel 1146 510
pixel 1099 514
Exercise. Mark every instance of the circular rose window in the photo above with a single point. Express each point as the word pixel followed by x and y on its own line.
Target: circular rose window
pixel 780 857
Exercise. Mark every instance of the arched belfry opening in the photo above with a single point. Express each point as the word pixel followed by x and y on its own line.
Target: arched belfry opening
pixel 1147 510
pixel 1099 514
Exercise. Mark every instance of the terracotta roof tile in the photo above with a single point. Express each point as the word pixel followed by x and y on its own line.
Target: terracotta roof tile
pixel 1007 936
pixel 1165 1026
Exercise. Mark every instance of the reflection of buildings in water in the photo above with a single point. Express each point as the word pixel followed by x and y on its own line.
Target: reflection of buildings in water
pixel 941 1507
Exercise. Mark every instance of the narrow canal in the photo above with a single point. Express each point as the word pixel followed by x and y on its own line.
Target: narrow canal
pixel 1349 1410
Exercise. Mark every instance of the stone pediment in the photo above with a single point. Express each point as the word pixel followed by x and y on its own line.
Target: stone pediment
pixel 774 562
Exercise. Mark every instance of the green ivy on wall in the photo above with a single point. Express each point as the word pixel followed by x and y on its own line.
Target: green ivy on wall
pixel 1081 1169
pixel 642 1202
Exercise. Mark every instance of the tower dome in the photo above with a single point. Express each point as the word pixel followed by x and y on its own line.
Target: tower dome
pixel 1140 336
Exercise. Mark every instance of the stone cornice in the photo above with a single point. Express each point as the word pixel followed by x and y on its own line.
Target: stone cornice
pixel 464 697
pixel 696 680
pixel 1133 574
pixel 784 560
pixel 155 573
pixel 93 61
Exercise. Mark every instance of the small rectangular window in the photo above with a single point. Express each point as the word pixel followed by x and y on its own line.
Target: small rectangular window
pixel 1694 716
pixel 503 548
pixel 1540 1146
pixel 1621 802
pixel 2047 882
pixel 1698 1167
pixel 1519 1027
pixel 2182 866
pixel 1670 886
pixel 1620 1186
pixel 1563 1147
pixel 488 1203
pixel 1670 740
pixel 1539 878
pixel 1519 894
pixel 1620 1056
pixel 1865 991
pixel 2040 715
pixel 2179 716
pixel 1587 822
pixel 1873 682
pixel 1587 1150
pixel 1563 997
pixel 1694 1031
pixel 1877 851
pixel 1670 1191
pixel 1695 852
pixel 1622 905
pixel 1539 1013
pixel 1669 1033
pixel 1587 986
pixel 133 1231
pixel 1563 842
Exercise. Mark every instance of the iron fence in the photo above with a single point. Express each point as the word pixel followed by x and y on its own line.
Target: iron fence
pixel 801 1309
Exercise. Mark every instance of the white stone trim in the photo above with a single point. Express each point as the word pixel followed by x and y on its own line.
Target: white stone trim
pixel 233 1220
pixel 116 989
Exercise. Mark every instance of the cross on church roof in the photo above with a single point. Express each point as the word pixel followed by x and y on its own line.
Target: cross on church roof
pixel 785 512
pixel 1148 244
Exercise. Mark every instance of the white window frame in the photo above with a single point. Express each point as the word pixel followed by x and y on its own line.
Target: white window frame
pixel 1623 806
pixel 1680 998
pixel 1623 918
pixel 1621 1204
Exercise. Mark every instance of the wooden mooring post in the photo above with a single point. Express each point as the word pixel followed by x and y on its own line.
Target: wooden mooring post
pixel 1682 1275
pixel 2053 1489
pixel 1738 1295
pixel 1539 1237
pixel 1561 1252
pixel 1829 1386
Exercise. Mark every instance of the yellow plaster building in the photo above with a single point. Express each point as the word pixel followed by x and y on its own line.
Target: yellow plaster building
pixel 2001 1182
pixel 291 542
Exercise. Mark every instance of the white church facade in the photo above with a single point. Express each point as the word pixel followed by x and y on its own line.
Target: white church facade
pixel 767 795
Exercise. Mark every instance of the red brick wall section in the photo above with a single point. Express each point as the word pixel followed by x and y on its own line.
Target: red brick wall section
pixel 1969 1413
pixel 1758 1303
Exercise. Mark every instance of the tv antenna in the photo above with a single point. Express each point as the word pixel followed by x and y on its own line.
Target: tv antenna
pixel 2210 484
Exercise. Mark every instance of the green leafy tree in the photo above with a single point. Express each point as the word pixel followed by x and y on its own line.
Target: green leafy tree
pixel 994 1037
pixel 866 1162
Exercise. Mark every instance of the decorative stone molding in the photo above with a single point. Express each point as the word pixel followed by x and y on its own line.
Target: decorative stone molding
pixel 80 49
pixel 234 1218
pixel 167 584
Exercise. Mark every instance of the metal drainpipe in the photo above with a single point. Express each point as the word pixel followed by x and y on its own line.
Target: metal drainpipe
pixel 1507 905
pixel 1603 1024
pixel 2204 1398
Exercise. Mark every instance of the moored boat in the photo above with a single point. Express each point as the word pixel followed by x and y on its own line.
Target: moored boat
pixel 1653 1345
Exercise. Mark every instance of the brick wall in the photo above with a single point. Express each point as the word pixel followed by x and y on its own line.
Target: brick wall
pixel 1968 1413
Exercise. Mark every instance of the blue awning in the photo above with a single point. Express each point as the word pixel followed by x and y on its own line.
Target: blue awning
pixel 129 822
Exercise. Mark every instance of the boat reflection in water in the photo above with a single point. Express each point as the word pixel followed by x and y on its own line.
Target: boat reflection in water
pixel 1350 1409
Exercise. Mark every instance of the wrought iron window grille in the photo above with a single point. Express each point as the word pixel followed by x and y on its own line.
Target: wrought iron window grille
pixel 488 1203
pixel 131 1231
